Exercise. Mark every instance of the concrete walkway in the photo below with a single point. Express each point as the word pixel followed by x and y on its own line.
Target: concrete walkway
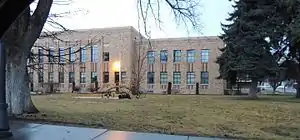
pixel 30 131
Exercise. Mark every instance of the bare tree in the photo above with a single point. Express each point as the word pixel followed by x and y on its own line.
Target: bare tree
pixel 185 12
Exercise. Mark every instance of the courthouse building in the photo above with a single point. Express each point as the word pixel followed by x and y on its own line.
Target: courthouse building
pixel 110 55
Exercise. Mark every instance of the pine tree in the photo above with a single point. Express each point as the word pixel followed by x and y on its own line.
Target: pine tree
pixel 247 52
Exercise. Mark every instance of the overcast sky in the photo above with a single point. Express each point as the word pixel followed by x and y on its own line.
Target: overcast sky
pixel 114 13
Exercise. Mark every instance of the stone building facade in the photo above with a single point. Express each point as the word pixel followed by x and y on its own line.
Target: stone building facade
pixel 84 56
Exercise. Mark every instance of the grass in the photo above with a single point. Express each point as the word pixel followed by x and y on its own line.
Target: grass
pixel 271 117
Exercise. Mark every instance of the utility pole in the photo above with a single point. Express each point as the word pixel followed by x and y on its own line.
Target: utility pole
pixel 4 125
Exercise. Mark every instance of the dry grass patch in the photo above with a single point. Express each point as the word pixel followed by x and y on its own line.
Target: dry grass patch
pixel 268 118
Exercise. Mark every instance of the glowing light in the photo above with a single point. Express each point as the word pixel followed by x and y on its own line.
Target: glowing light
pixel 117 66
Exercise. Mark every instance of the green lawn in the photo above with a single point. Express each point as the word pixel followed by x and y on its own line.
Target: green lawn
pixel 271 117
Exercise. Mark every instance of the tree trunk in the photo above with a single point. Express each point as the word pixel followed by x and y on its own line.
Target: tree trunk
pixel 28 104
pixel 17 87
pixel 253 89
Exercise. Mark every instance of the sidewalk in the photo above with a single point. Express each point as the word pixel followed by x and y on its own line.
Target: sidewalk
pixel 30 131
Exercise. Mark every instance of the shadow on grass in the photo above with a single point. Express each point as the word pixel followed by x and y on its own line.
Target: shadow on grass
pixel 266 98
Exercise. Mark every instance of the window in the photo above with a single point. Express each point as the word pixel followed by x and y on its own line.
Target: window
pixel 106 56
pixel 94 52
pixel 40 77
pixel 105 77
pixel 51 55
pixel 82 77
pixel 71 77
pixel 163 78
pixel 204 77
pixel 150 78
pixel 190 78
pixel 191 56
pixel 41 56
pixel 204 55
pixel 61 55
pixel 151 57
pixel 72 54
pixel 94 77
pixel 163 56
pixel 61 77
pixel 177 55
pixel 123 75
pixel 50 77
pixel 176 78
pixel 83 55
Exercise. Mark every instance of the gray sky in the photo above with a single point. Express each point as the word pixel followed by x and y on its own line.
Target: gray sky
pixel 114 13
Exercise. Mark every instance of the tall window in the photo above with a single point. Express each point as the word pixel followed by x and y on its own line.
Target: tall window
pixel 177 55
pixel 50 77
pixel 93 77
pixel 191 56
pixel 190 78
pixel 71 77
pixel 204 55
pixel 40 77
pixel 41 56
pixel 72 54
pixel 61 77
pixel 51 55
pixel 82 77
pixel 151 57
pixel 204 77
pixel 176 78
pixel 163 78
pixel 61 55
pixel 83 56
pixel 150 78
pixel 94 52
pixel 105 77
pixel 164 56
pixel 105 56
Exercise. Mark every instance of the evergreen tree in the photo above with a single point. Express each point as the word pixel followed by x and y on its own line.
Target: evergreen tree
pixel 248 40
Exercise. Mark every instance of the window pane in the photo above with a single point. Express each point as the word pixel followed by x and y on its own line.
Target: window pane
pixel 150 77
pixel 83 55
pixel 61 77
pixel 163 78
pixel 71 77
pixel 41 56
pixel 177 55
pixel 204 78
pixel 41 77
pixel 151 57
pixel 94 77
pixel 190 78
pixel 105 77
pixel 61 55
pixel 72 54
pixel 50 77
pixel 51 55
pixel 176 78
pixel 106 56
pixel 163 56
pixel 82 77
pixel 191 56
pixel 204 55
pixel 94 55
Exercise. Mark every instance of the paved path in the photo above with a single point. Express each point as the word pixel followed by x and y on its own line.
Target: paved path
pixel 30 131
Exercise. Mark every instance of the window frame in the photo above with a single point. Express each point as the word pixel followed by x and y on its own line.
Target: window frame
pixel 152 80
pixel 190 78
pixel 204 55
pixel 163 78
pixel 191 58
pixel 164 56
pixel 176 80
pixel 204 78
pixel 177 58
